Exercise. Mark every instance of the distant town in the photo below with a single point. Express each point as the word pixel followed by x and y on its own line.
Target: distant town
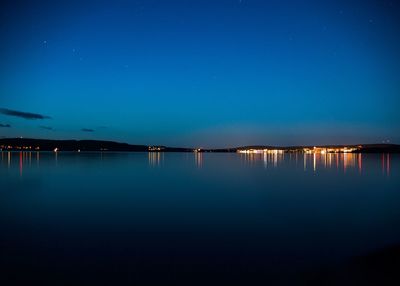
pixel 28 144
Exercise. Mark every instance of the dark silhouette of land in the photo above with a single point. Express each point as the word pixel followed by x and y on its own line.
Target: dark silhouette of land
pixel 29 144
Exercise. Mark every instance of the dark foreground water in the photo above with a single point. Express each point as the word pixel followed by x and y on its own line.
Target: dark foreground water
pixel 204 219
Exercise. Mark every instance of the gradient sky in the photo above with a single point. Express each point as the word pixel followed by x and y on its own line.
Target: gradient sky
pixel 201 73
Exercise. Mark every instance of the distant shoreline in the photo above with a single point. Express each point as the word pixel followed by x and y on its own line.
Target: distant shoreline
pixel 30 144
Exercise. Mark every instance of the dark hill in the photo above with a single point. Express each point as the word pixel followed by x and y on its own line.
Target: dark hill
pixel 71 145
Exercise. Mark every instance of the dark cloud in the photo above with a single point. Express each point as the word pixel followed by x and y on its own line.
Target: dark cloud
pixel 25 115
pixel 87 130
pixel 46 127
pixel 5 125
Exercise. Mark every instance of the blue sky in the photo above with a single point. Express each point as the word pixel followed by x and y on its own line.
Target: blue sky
pixel 202 73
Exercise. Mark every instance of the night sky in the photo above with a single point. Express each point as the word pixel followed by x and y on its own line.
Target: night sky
pixel 201 73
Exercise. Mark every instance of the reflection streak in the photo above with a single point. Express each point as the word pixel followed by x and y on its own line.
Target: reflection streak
pixel 20 163
pixel 388 164
pixel 314 162
pixel 154 159
pixel 198 158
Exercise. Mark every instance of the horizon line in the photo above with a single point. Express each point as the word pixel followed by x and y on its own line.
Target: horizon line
pixel 211 148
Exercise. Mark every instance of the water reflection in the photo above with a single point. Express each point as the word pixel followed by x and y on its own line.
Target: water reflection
pixel 314 162
pixel 344 162
pixel 155 158
pixel 386 164
pixel 198 159
pixel 22 158
pixel 317 161
pixel 269 159
pixel 252 208
pixel 20 163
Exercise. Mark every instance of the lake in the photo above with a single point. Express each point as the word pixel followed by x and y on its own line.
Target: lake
pixel 198 218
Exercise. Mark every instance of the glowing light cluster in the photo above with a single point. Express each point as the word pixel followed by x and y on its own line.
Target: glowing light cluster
pixel 261 151
pixel 325 150
pixel 156 148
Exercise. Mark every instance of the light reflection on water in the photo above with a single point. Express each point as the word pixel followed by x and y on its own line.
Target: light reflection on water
pixel 198 159
pixel 155 158
pixel 315 162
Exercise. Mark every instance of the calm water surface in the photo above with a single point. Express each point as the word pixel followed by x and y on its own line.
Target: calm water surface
pixel 121 218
